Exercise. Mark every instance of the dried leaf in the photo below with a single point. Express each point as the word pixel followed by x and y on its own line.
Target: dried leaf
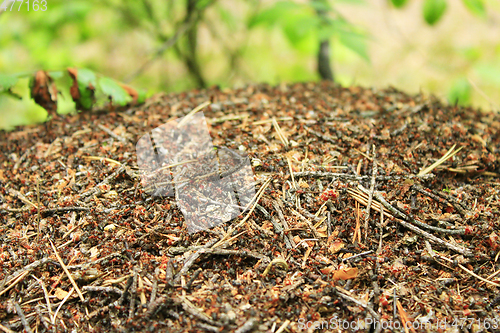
pixel 296 239
pixel 94 252
pixel 60 294
pixel 345 273
pixel 327 270
pixel 336 247
pixel 138 97
pixel 75 93
pixel 44 91
pixel 494 241
pixel 83 88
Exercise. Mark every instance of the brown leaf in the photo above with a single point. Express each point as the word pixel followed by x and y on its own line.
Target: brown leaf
pixel 60 294
pixel 494 241
pixel 341 273
pixel 44 92
pixel 345 273
pixel 76 95
pixel 131 91
pixel 327 270
pixel 336 246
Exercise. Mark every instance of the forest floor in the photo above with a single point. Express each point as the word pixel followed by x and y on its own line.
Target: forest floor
pixel 373 210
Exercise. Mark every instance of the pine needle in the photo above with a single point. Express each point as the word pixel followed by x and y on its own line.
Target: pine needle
pixel 446 156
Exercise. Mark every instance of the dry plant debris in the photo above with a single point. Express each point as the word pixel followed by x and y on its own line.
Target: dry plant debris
pixel 371 206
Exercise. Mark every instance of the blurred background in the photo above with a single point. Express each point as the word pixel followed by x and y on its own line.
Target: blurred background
pixel 449 48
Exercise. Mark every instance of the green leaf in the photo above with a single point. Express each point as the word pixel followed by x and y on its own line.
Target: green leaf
pixel 476 7
pixel 12 94
pixel 86 77
pixel 56 74
pixel 111 88
pixel 298 22
pixel 86 80
pixel 355 42
pixel 399 3
pixel 326 31
pixel 7 81
pixel 433 10
pixel 460 92
pixel 299 27
pixel 142 96
pixel 86 97
pixel 279 12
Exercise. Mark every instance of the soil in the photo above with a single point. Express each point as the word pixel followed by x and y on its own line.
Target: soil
pixel 373 210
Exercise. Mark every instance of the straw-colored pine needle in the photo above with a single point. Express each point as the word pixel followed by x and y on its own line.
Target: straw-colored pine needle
pixel 280 133
pixel 67 272
pixel 446 156
pixel 190 114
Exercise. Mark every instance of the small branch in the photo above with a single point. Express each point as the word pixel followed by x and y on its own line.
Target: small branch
pixel 252 203
pixel 281 217
pixel 414 228
pixel 193 310
pixel 362 198
pixel 381 230
pixel 29 268
pixel 370 194
pixel 166 45
pixel 471 272
pixel 133 293
pixel 363 305
pixel 215 251
pixel 39 219
pixel 47 212
pixel 194 277
pixel 21 315
pixel 330 175
pixel 438 196
pixel 103 289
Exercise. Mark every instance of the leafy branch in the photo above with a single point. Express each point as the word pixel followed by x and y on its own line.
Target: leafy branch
pixel 186 27
pixel 433 10
pixel 316 19
pixel 85 84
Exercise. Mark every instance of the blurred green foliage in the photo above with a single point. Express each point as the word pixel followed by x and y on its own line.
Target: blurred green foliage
pixel 433 10
pixel 399 3
pixel 460 92
pixel 174 45
pixel 304 28
pixel 476 6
